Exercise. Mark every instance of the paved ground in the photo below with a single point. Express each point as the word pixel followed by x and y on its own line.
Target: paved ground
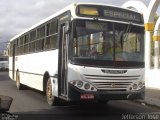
pixel 30 104
pixel 152 97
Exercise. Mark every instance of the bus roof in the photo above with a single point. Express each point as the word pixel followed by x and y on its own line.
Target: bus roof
pixel 71 7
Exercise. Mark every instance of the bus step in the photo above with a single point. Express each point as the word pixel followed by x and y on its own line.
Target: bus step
pixel 64 97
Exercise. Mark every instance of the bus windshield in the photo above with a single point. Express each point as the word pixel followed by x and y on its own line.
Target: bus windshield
pixel 107 44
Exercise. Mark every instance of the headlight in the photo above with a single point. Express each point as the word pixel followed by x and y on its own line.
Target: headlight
pixel 79 84
pixel 83 85
pixel 87 86
pixel 140 85
pixel 135 86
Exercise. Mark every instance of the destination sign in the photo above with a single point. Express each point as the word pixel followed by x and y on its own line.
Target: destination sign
pixel 122 14
pixel 109 12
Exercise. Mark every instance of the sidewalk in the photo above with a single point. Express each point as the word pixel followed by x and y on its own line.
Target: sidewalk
pixel 152 97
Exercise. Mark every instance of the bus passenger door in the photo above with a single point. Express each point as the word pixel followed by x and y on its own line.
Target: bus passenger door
pixel 63 61
pixel 13 61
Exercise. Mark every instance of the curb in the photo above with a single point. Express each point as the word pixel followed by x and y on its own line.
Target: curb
pixel 150 101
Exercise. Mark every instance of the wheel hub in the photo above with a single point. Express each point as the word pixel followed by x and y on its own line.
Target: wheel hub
pixel 49 91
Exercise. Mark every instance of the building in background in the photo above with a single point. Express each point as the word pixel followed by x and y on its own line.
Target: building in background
pixel 3 63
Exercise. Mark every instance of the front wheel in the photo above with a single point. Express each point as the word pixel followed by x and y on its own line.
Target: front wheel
pixel 51 99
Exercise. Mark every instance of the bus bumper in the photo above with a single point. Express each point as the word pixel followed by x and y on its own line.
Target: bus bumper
pixel 76 94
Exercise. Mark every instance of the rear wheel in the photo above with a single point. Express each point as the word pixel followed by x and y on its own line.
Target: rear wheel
pixel 51 99
pixel 18 84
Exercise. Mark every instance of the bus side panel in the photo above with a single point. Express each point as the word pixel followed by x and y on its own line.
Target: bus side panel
pixel 33 66
pixel 10 67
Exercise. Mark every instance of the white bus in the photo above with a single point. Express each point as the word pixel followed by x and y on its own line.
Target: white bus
pixel 85 52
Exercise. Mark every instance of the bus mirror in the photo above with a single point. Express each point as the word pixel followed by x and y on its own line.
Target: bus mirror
pixel 67 28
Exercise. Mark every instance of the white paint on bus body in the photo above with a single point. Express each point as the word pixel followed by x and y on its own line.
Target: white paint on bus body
pixel 33 66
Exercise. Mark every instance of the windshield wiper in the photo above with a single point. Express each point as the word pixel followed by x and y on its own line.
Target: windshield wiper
pixel 127 30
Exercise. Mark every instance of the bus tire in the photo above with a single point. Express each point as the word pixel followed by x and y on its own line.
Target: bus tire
pixel 51 99
pixel 18 83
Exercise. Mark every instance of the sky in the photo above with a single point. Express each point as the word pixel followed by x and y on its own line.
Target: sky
pixel 18 15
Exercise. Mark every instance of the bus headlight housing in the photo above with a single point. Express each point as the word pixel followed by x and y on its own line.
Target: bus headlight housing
pixel 83 85
pixel 141 84
pixel 137 85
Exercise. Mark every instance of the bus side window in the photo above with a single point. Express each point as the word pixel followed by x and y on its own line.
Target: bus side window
pixel 51 35
pixel 32 47
pixel 39 45
pixel 26 40
pixel 47 43
pixel 54 41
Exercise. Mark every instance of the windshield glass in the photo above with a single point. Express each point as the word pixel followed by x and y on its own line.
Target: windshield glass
pixel 107 43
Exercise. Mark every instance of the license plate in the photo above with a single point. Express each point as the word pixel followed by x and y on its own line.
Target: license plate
pixel 87 96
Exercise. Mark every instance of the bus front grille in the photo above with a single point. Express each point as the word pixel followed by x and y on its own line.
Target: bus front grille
pixel 112 83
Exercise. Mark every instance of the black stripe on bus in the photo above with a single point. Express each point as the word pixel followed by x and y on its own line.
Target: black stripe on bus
pixel 56 75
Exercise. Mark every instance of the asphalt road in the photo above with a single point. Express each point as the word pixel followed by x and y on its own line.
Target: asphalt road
pixel 30 104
